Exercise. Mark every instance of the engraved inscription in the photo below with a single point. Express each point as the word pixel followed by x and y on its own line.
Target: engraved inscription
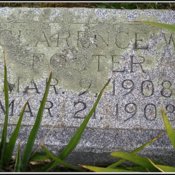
pixel 83 55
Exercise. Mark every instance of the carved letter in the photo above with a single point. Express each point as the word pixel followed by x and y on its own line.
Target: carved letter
pixel 119 43
pixel 48 108
pixel 29 109
pixel 136 45
pixel 115 59
pixel 137 63
pixel 46 40
pixel 11 104
pixel 99 61
pixel 54 85
pixel 171 39
pixel 35 87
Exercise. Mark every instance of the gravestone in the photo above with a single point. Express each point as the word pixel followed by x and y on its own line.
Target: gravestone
pixel 84 48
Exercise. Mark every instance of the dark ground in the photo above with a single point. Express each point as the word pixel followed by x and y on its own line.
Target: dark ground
pixel 94 5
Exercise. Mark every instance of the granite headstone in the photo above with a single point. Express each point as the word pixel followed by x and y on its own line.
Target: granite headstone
pixel 84 48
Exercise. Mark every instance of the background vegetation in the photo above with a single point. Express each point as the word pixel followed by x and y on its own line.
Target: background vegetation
pixel 95 5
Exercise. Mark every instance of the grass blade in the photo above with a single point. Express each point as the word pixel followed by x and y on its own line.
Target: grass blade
pixel 77 135
pixel 34 131
pixel 163 168
pixel 4 131
pixel 136 169
pixel 39 156
pixel 18 160
pixel 61 162
pixel 100 169
pixel 170 27
pixel 10 146
pixel 135 151
pixel 169 130
pixel 144 162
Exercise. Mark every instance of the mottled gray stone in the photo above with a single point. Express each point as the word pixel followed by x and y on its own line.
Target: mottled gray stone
pixel 84 48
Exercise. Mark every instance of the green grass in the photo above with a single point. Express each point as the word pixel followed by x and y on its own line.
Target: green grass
pixel 137 150
pixel 31 139
pixel 4 131
pixel 23 158
pixel 12 141
pixel 6 149
pixel 77 135
pixel 139 163
pixel 18 161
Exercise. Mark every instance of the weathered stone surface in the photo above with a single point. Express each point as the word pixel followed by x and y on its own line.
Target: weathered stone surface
pixel 84 48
